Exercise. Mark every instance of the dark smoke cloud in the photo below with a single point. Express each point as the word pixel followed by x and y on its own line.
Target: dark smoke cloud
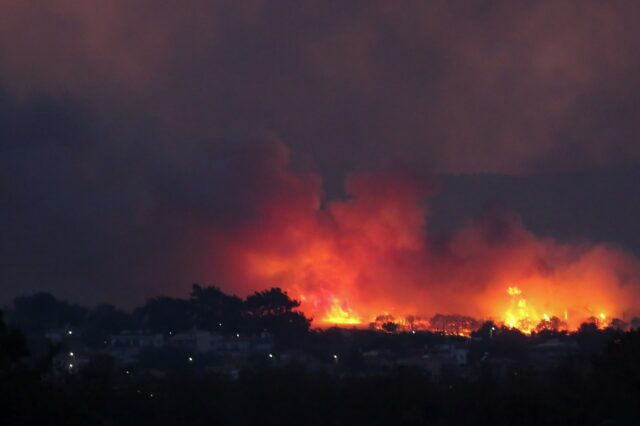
pixel 130 129
pixel 472 86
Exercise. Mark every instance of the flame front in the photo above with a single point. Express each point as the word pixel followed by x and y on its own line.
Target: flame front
pixel 519 314
pixel 337 315
pixel 524 316
pixel 357 258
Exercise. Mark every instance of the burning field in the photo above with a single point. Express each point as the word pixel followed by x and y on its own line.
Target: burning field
pixel 368 258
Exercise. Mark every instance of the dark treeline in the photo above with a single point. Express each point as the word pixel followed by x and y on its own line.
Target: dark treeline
pixel 207 308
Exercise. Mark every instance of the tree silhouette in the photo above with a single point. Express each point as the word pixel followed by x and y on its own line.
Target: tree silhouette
pixel 13 345
pixel 166 314
pixel 273 310
pixel 270 302
pixel 213 309
pixel 43 311
pixel 552 324
pixel 103 321
pixel 486 331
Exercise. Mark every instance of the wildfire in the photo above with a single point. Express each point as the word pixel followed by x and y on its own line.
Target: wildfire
pixel 602 321
pixel 358 257
pixel 338 315
pixel 519 314
pixel 514 291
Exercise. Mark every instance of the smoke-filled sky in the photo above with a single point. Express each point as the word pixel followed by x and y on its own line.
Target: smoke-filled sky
pixel 145 145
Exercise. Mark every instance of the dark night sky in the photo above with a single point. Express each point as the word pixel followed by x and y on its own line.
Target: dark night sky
pixel 129 126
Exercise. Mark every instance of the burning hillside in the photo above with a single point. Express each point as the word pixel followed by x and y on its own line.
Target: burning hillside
pixel 351 260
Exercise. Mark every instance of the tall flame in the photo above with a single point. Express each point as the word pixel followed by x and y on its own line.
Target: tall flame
pixel 520 314
pixel 338 315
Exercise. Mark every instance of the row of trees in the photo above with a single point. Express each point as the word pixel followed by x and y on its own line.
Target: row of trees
pixel 207 308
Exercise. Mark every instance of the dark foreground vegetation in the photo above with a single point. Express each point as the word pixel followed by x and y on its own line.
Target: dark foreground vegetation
pixel 605 394
pixel 311 377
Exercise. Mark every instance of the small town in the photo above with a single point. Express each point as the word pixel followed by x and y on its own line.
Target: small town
pixel 213 332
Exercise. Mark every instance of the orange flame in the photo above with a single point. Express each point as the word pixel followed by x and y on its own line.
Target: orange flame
pixel 337 315
pixel 520 314
pixel 356 258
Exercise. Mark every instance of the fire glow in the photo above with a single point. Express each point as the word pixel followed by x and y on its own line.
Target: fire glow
pixel 353 260
pixel 337 315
